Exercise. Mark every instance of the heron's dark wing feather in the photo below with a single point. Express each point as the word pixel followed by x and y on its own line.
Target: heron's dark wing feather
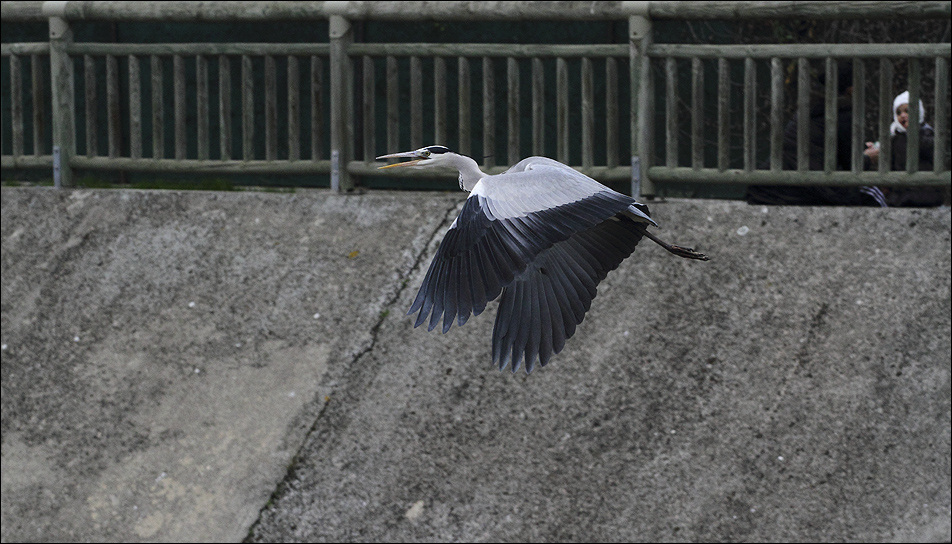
pixel 550 298
pixel 484 251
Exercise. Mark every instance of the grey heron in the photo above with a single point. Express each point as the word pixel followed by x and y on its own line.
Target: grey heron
pixel 540 236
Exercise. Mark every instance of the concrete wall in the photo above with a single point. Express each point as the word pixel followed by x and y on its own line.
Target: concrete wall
pixel 195 366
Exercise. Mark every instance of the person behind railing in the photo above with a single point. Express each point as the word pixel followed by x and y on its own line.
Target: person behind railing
pixel 898 130
pixel 820 195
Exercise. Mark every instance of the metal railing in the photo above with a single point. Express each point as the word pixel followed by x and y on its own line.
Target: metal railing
pixel 318 128
pixel 859 56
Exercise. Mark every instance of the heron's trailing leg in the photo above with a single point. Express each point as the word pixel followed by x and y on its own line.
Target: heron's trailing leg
pixel 685 252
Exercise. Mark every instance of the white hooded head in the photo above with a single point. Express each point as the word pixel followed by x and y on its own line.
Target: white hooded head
pixel 903 98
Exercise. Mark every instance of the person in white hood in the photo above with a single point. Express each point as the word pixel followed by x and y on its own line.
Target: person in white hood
pixel 898 130
pixel 901 114
pixel 912 196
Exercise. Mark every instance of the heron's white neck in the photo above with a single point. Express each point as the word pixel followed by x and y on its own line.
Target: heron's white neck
pixel 469 172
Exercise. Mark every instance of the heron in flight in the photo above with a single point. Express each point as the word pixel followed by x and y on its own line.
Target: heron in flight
pixel 539 236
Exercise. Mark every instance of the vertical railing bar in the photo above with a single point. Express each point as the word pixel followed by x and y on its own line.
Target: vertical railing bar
pixel 885 114
pixel 224 107
pixel 16 105
pixel 723 114
pixel 39 102
pixel 940 162
pixel 341 35
pixel 113 115
pixel 538 107
pixel 465 104
pixel 697 113
pixel 912 133
pixel 859 115
pixel 370 109
pixel 439 101
pixel 317 108
pixel 635 76
pixel 671 113
pixel 776 114
pixel 489 113
pixel 830 116
pixel 294 108
pixel 393 106
pixel 640 36
pixel 62 90
pixel 178 79
pixel 270 108
pixel 588 113
pixel 562 109
pixel 201 107
pixel 158 108
pixel 135 108
pixel 89 76
pixel 247 109
pixel 750 114
pixel 803 114
pixel 512 88
pixel 416 102
pixel 611 113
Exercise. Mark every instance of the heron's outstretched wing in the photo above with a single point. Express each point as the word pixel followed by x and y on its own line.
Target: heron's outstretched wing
pixel 541 308
pixel 507 221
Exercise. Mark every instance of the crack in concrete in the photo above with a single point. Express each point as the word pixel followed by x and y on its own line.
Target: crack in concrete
pixel 403 282
pixel 803 355
pixel 361 377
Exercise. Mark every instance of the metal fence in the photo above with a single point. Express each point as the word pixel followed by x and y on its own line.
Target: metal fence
pixel 327 119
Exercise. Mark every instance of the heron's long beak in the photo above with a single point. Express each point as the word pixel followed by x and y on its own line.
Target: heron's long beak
pixel 407 154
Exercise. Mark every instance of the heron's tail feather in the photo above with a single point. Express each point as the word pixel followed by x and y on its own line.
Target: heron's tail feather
pixel 639 212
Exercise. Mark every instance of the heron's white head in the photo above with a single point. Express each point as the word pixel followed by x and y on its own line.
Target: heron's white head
pixel 438 155
pixel 431 155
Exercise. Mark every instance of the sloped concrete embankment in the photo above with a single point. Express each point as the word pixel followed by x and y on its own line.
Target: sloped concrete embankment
pixel 195 366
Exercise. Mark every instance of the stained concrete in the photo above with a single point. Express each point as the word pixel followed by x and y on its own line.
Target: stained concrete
pixel 220 366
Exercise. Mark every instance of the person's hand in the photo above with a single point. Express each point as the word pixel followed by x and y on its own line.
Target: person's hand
pixel 872 151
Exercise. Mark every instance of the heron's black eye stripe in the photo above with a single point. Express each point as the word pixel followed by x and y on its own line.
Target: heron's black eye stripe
pixel 437 149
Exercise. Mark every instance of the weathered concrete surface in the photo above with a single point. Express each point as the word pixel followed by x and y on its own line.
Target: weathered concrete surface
pixel 796 387
pixel 166 353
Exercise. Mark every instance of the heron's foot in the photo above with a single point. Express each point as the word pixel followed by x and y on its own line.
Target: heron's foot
pixel 688 253
pixel 685 252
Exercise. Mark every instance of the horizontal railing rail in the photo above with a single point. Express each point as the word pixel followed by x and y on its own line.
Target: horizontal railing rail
pixel 257 10
pixel 806 50
pixel 256 49
pixel 488 50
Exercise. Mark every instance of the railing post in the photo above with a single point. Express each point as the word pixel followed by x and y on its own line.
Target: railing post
pixel 640 35
pixel 342 130
pixel 61 77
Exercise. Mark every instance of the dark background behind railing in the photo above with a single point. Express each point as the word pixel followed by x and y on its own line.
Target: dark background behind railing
pixel 581 32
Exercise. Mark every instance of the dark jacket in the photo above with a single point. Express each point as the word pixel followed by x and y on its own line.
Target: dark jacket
pixel 914 196
pixel 926 149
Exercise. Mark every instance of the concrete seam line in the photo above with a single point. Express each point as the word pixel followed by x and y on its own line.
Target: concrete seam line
pixel 315 429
